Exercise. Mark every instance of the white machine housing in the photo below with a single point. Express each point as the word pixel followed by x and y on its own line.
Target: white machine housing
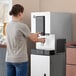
pixel 47 21
pixel 40 65
pixel 49 43
pixel 49 39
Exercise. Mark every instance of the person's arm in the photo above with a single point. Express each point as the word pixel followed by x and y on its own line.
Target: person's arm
pixel 34 37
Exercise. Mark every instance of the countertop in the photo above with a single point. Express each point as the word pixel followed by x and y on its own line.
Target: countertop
pixel 2 46
pixel 71 45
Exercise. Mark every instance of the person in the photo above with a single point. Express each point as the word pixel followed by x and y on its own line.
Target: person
pixel 16 35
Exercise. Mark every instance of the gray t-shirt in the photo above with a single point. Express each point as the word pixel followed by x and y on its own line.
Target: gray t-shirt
pixel 17 34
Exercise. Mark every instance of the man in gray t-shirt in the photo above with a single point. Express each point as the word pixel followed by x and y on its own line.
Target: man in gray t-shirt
pixel 17 34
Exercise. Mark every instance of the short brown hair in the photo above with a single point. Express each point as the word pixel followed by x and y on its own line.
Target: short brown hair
pixel 16 9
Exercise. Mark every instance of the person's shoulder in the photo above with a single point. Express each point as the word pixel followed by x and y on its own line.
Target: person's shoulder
pixel 21 24
pixel 9 23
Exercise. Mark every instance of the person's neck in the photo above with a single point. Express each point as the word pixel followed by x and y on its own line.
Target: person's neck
pixel 16 19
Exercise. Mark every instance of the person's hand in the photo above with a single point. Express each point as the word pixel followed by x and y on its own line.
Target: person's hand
pixel 41 40
pixel 34 37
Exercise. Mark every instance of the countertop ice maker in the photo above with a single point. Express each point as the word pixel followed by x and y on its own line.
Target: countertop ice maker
pixel 55 27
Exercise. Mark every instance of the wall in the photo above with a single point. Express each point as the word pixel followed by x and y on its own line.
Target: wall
pixel 61 6
pixel 58 5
